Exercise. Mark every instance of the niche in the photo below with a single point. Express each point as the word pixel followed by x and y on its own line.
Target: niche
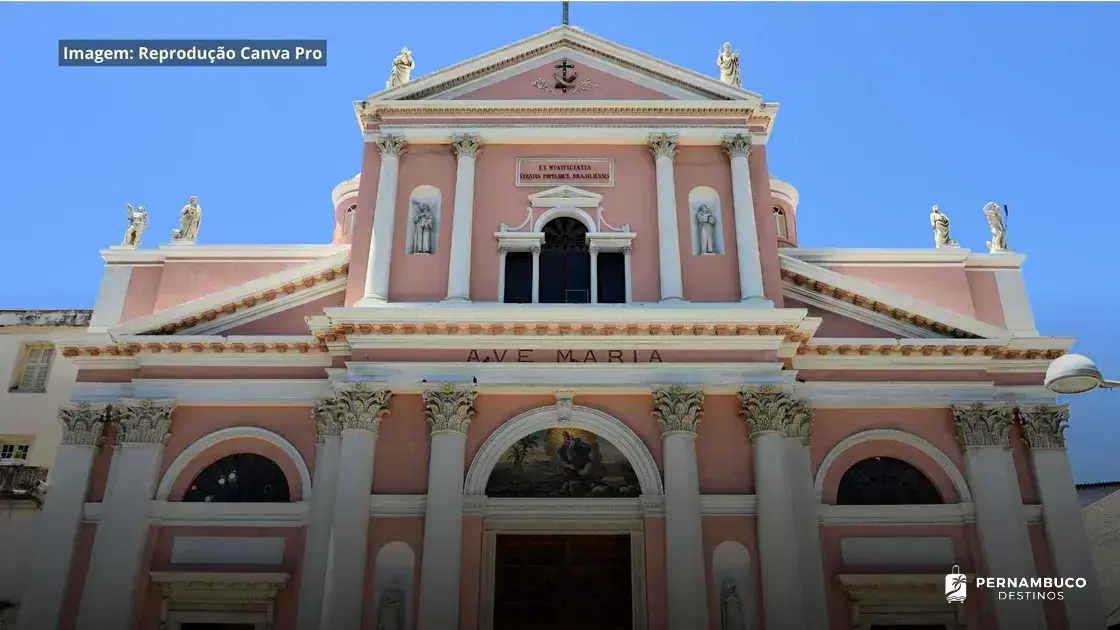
pixel 422 230
pixel 393 573
pixel 711 218
pixel 733 587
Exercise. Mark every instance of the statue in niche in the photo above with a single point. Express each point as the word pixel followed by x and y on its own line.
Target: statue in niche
pixel 731 608
pixel 390 610
pixel 706 224
pixel 999 228
pixel 402 68
pixel 728 63
pixel 189 220
pixel 940 223
pixel 137 223
pixel 425 221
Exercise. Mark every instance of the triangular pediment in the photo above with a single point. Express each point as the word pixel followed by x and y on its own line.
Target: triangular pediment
pixel 614 72
pixel 565 196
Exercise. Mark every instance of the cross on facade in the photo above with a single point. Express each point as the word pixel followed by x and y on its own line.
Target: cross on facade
pixel 565 17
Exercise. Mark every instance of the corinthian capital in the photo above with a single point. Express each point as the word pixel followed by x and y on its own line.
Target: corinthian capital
pixel 449 408
pixel 466 145
pixel 678 409
pixel 143 420
pixel 389 144
pixel 983 425
pixel 769 409
pixel 325 422
pixel 83 424
pixel 738 145
pixel 663 145
pixel 1044 426
pixel 355 407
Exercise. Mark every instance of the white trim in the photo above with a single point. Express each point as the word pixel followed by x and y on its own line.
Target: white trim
pixel 398 504
pixel 908 395
pixel 1014 303
pixel 262 309
pixel 232 294
pixel 947 514
pixel 207 392
pixel 565 196
pixel 564 211
pixel 345 189
pixel 598 422
pixel 561 134
pixel 202 444
pixel 550 184
pixel 110 297
pixel 244 550
pixel 893 298
pixel 175 513
pixel 583 342
pixel 952 257
pixel 220 253
pixel 964 495
pixel 784 194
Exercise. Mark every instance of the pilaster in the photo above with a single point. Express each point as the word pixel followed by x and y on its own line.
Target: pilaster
pixel 317 544
pixel 738 148
pixel 384 215
pixel 663 146
pixel 449 411
pixel 678 411
pixel 466 149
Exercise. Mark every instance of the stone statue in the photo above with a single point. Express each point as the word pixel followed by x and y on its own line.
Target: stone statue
pixel 422 235
pixel 189 220
pixel 731 608
pixel 402 67
pixel 999 228
pixel 137 223
pixel 728 63
pixel 940 223
pixel 390 610
pixel 706 223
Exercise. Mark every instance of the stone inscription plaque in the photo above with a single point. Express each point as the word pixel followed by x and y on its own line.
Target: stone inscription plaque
pixel 546 172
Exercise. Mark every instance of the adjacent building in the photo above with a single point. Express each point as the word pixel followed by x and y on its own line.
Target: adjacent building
pixel 565 362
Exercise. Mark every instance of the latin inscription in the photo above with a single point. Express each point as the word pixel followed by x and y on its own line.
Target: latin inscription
pixel 561 171
pixel 563 356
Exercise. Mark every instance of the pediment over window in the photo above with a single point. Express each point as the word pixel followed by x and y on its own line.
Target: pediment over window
pixel 565 196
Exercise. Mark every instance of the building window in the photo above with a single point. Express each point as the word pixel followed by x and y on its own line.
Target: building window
pixel 780 223
pixel 35 369
pixel 565 265
pixel 886 481
pixel 612 277
pixel 13 452
pixel 519 278
pixel 348 220
pixel 240 478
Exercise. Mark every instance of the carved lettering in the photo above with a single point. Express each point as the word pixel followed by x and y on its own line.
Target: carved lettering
pixel 523 356
pixel 473 357
pixel 590 357
pixel 617 354
pixel 526 355
pixel 564 355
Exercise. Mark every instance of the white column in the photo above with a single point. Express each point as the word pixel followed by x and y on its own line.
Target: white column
pixel 357 411
pixel 626 264
pixel 49 569
pixel 466 148
pixel 664 147
pixel 773 416
pixel 807 512
pixel 594 252
pixel 110 297
pixel 1044 431
pixel 536 250
pixel 502 251
pixel 317 545
pixel 738 148
pixel 449 411
pixel 1001 526
pixel 678 411
pixel 143 426
pixel 384 215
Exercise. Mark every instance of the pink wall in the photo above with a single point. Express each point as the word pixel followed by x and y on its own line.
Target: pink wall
pixel 290 321
pixel 723 448
pixel 946 287
pixel 657 589
pixel 840 327
pixel 183 281
pixel 400 465
pixel 767 233
pixel 985 297
pixel 418 277
pixel 608 86
pixel 470 577
pixel 714 278
pixel 140 297
pixel 740 529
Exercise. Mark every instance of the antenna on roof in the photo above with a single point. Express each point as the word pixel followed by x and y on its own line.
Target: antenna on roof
pixel 564 21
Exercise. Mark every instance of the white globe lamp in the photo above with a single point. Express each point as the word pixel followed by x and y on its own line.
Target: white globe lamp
pixel 1075 374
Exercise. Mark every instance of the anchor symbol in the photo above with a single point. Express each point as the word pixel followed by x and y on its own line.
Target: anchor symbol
pixel 563 81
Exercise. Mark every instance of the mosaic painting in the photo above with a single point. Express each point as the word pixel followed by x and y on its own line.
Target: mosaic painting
pixel 562 462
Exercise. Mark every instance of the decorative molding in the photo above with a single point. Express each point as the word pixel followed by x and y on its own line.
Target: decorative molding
pixel 896 551
pixel 355 406
pixel 143 420
pixel 677 409
pixel 391 145
pixel 466 145
pixel 208 392
pixel 564 406
pixel 240 515
pixel 449 408
pixel 598 422
pixel 943 257
pixel 769 409
pixel 83 424
pixel 220 253
pixel 893 435
pixel 566 195
pixel 398 504
pixel 596 133
pixel 1044 426
pixel 663 145
pixel 220 588
pixel 981 425
pixel 201 445
pixel 916 394
pixel 737 145
pixel 860 314
pixel 948 514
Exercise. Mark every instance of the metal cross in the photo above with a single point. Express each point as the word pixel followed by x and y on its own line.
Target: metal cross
pixel 565 19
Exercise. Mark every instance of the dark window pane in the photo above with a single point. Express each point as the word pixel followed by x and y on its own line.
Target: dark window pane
pixel 886 481
pixel 240 478
pixel 565 273
pixel 519 278
pixel 612 278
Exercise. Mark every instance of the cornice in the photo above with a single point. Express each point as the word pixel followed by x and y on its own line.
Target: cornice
pixel 236 350
pixel 954 257
pixel 220 253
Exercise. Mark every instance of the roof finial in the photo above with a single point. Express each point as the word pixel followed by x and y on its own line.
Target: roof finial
pixel 565 19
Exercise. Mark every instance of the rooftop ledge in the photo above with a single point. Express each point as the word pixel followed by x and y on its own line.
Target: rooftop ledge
pixel 952 256
pixel 126 255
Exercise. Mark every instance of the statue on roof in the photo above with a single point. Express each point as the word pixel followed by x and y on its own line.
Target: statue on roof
pixel 728 63
pixel 137 223
pixel 189 219
pixel 940 223
pixel 402 68
pixel 999 228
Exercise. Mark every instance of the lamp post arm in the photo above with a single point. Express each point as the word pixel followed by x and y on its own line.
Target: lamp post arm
pixel 1110 384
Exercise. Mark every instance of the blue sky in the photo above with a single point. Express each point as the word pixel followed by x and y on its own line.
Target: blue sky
pixel 886 109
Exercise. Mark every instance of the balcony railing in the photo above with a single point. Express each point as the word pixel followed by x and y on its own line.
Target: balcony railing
pixel 26 483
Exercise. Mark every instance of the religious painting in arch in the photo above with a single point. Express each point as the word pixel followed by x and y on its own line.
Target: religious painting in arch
pixel 563 462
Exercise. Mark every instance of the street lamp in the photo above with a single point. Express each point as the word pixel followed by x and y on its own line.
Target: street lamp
pixel 1075 374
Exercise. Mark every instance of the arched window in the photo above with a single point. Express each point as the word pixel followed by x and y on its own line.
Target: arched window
pixel 780 222
pixel 240 478
pixel 348 220
pixel 565 265
pixel 886 481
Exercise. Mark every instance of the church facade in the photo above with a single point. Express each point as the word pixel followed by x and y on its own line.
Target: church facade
pixel 563 360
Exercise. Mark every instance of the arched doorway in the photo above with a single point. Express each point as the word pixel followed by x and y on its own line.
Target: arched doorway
pixel 565 265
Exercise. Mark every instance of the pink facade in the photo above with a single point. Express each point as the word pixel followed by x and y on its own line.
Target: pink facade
pixel 344 441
